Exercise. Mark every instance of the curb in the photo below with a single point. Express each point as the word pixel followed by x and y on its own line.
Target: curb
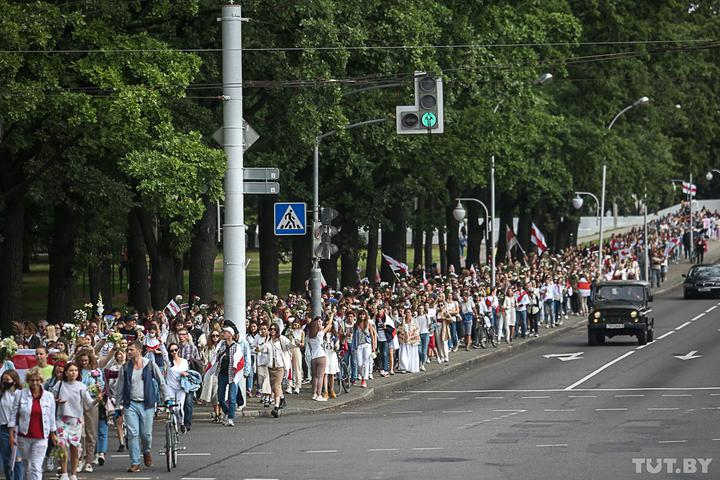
pixel 410 380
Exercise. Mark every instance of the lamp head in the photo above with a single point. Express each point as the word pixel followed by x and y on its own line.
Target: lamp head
pixel 642 101
pixel 577 202
pixel 544 78
pixel 459 212
pixel 709 176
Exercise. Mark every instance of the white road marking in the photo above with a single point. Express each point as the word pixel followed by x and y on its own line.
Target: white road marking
pixel 407 412
pixel 133 478
pixel 457 411
pixel 442 398
pixel 628 396
pixel 666 334
pixel 508 411
pixel 711 408
pixel 607 365
pixel 198 478
pixel 715 394
pixel 489 398
pixel 257 453
pixel 553 445
pixel 672 441
pixel 676 395
pixel 711 309
pixel 697 316
pixel 427 448
pixel 320 451
pixel 680 327
pixel 257 478
pixel 400 399
pixel 582 396
pixel 194 454
pixel 354 413
pixel 663 408
pixel 559 410
pixel 383 449
pixel 564 390
pixel 541 396
pixel 716 439
pixel 120 456
pixel 611 409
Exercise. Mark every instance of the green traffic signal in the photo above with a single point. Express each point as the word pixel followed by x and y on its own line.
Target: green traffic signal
pixel 429 119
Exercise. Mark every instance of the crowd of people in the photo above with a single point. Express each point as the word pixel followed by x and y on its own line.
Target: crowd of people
pixel 110 369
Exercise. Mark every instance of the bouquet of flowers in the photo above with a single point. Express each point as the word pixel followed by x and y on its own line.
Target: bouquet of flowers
pixel 115 338
pixel 80 315
pixel 100 308
pixel 58 453
pixel 70 330
pixel 94 390
pixel 8 348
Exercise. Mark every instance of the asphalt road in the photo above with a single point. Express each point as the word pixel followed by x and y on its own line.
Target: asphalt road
pixel 597 416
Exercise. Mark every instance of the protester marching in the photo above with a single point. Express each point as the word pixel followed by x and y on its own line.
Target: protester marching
pixel 108 369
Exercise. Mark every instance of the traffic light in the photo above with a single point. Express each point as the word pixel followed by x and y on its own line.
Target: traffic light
pixel 426 116
pixel 324 248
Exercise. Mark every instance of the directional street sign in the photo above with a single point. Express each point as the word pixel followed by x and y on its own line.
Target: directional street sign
pixel 565 357
pixel 261 188
pixel 261 174
pixel 688 356
pixel 290 218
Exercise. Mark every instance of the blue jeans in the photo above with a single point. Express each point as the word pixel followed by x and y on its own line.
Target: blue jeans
pixel 556 311
pixel 188 408
pixel 521 322
pixel 250 378
pixel 453 335
pixel 655 277
pixel 139 424
pixel 5 452
pixel 102 438
pixel 227 397
pixel 424 342
pixel 383 353
pixel 352 365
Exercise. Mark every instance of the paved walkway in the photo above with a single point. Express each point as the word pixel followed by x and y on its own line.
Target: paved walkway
pixel 380 387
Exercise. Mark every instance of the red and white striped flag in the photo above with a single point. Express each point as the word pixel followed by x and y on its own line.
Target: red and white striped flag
pixel 538 239
pixel 671 245
pixel 688 187
pixel 173 308
pixel 510 239
pixel 24 359
pixel 396 266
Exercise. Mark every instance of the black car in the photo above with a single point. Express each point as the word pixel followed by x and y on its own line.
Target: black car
pixel 702 280
pixel 621 308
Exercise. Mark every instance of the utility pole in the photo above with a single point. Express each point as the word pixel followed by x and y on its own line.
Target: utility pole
pixel 234 225
pixel 692 239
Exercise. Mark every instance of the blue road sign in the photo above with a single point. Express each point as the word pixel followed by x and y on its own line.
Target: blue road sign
pixel 290 218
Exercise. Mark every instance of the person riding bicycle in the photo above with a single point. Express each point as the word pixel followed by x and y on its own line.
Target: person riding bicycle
pixel 138 394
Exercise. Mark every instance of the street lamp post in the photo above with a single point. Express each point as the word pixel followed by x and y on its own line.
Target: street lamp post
pixel 639 101
pixel 709 176
pixel 543 79
pixel 459 214
pixel 315 273
pixel 578 203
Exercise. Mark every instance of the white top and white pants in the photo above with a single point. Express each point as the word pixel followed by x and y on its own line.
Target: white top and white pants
pixel 173 386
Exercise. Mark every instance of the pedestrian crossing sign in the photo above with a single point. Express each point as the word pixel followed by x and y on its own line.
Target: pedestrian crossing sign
pixel 290 218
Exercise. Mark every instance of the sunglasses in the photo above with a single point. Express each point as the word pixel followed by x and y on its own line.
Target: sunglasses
pixel 215 336
pixel 173 350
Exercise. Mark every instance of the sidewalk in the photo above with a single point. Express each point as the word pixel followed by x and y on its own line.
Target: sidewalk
pixel 380 387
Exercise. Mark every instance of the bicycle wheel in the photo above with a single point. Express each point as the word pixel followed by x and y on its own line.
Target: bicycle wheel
pixel 493 337
pixel 483 337
pixel 175 442
pixel 344 376
pixel 168 446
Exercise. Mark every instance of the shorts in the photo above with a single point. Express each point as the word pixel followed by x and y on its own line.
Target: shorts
pixel 468 323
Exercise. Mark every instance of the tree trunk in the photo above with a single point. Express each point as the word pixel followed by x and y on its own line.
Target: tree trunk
pixel 161 259
pixel 61 255
pixel 138 293
pixel 329 270
pixel 99 279
pixel 11 259
pixel 251 236
pixel 474 235
pixel 301 262
pixel 453 244
pixel 417 232
pixel 349 242
pixel 269 259
pixel 372 251
pixel 176 285
pixel 443 253
pixel 429 248
pixel 203 251
pixel 394 239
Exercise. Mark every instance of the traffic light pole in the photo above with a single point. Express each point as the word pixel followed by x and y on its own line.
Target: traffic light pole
pixel 234 225
pixel 315 273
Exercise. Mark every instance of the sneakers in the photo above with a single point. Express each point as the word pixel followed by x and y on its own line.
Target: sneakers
pixel 147 459
pixel 64 476
pixel 73 477
pixel 283 403
pixel 371 376
pixel 422 368
pixel 333 394
pixel 440 360
pixel 320 399
pixel 363 384
pixel 101 459
pixel 288 390
pixel 121 448
pixel 325 395
pixel 297 391
pixel 230 423
pixel 314 397
pixel 134 468
pixel 275 412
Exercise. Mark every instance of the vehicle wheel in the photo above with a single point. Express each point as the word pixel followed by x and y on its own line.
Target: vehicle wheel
pixel 642 337
pixel 650 335
pixel 168 447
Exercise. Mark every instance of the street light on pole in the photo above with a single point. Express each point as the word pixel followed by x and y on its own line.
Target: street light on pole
pixel 543 79
pixel 459 213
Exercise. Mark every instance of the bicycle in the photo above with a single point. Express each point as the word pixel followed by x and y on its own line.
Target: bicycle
pixel 488 333
pixel 172 436
pixel 342 378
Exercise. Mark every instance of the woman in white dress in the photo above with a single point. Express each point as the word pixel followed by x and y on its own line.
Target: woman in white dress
pixel 409 337
pixel 509 305
pixel 332 365
pixel 297 342
pixel 209 390
pixel 178 367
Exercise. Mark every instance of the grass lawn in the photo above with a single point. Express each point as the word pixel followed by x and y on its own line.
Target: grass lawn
pixel 35 283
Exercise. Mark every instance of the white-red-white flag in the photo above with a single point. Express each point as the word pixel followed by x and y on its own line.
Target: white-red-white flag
pixel 538 239
pixel 510 239
pixel 173 308
pixel 377 276
pixel 395 265
pixel 690 188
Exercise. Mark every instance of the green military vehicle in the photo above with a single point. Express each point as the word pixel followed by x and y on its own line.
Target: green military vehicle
pixel 621 307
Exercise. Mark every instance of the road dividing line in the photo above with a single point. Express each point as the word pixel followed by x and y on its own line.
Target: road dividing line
pixel 629 396
pixel 540 396
pixel 660 409
pixel 194 454
pixel 672 441
pixel 442 398
pixel 427 448
pixel 383 449
pixel 582 396
pixel 457 411
pixel 666 334
pixel 680 327
pixel 559 410
pixel 611 409
pixel 320 451
pixel 710 408
pixel 607 365
pixel 407 412
pixel 699 315
pixel 257 453
pixel 716 439
pixel 489 398
pixel 553 445
pixel 508 411
pixel 711 309
pixel 677 394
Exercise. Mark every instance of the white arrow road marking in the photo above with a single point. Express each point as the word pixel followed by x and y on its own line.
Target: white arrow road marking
pixel 564 357
pixel 688 356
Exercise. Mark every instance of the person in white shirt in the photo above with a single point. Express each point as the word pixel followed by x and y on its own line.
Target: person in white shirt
pixel 178 367
pixel 276 348
pixel 467 311
pixel 522 299
pixel 423 322
pixel 452 309
pixel 10 388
